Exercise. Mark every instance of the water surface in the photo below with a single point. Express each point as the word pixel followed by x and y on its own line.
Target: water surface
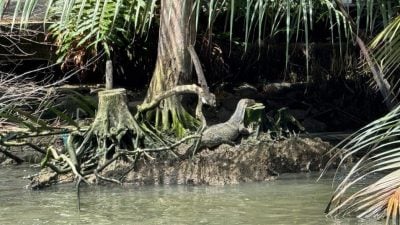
pixel 292 199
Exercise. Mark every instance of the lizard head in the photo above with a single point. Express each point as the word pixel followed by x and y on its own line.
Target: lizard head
pixel 238 115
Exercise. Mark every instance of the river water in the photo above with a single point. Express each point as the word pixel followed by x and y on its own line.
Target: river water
pixel 291 199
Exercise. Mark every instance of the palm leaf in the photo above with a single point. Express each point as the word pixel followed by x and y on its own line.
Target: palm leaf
pixel 34 119
pixel 63 116
pixel 380 144
pixel 114 19
pixel 97 24
pixel 385 49
pixel 85 104
pixel 18 120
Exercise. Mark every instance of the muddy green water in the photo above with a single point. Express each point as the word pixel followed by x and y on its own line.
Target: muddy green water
pixel 292 199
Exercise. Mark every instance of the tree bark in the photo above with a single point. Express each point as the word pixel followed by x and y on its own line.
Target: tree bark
pixel 173 65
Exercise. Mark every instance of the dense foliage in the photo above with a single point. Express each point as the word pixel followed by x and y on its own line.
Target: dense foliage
pixel 84 28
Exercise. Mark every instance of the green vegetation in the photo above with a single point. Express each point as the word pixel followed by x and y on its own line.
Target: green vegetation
pixel 379 145
pixel 83 29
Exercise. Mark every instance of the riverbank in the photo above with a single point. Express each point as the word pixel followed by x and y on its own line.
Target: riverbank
pixel 248 161
pixel 251 161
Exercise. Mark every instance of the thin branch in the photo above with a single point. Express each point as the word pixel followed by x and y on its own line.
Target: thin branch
pixel 68 161
pixel 199 71
pixel 182 89
pixel 106 178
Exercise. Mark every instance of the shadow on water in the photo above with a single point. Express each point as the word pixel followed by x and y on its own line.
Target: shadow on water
pixel 292 199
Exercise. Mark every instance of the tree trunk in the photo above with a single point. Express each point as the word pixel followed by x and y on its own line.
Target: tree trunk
pixel 174 65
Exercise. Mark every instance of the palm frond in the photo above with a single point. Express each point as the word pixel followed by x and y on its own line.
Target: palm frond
pixel 385 48
pixel 393 207
pixel 379 144
pixel 85 25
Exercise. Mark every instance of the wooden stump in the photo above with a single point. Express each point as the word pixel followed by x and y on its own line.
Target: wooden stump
pixel 113 131
pixel 113 119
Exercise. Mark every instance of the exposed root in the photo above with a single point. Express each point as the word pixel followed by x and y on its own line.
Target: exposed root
pixel 68 161
pixel 100 177
pixel 204 96
pixel 78 193
pixel 114 135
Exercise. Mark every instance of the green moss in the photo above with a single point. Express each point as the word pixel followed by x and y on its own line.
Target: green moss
pixel 254 114
pixel 172 117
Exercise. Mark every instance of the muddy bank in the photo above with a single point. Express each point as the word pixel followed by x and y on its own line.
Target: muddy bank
pixel 25 153
pixel 247 162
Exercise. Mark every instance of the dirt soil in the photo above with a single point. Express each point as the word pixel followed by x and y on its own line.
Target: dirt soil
pixel 251 161
pixel 23 152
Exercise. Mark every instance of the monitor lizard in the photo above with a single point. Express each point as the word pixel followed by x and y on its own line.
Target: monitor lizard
pixel 229 131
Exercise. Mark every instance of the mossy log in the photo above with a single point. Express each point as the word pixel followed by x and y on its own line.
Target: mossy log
pixel 254 118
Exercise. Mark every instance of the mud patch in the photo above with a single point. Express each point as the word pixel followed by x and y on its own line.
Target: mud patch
pixel 247 162
pixel 25 153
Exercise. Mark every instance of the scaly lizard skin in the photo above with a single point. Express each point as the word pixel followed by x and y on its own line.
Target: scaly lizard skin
pixel 229 131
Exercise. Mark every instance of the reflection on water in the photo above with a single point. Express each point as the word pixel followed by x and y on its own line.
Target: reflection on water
pixel 293 199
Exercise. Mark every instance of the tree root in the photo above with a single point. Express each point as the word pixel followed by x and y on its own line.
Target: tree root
pixel 100 177
pixel 68 161
pixel 115 134
pixel 204 96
